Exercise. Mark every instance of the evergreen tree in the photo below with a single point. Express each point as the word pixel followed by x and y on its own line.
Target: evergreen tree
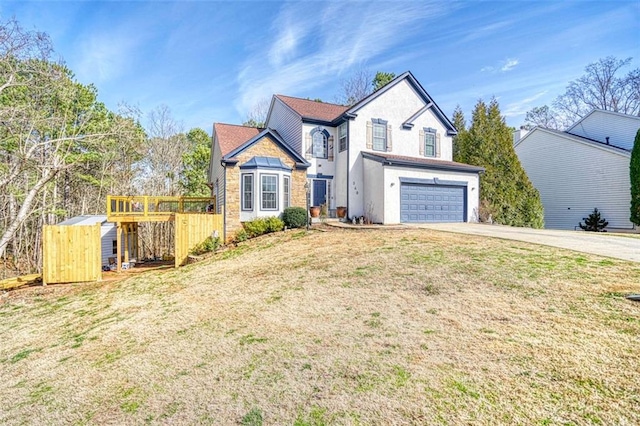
pixel 594 222
pixel 505 190
pixel 382 79
pixel 634 176
pixel 460 125
pixel 195 163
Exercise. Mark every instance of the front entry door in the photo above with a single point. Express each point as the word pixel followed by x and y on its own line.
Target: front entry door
pixel 319 192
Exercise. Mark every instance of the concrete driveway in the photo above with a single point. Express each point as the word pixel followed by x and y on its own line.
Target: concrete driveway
pixel 603 244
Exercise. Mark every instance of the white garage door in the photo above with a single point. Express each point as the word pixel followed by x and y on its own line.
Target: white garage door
pixel 424 203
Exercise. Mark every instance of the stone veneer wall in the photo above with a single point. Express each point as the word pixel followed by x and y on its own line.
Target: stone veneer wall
pixel 265 147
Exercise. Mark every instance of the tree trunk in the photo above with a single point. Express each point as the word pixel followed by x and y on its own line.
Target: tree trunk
pixel 23 213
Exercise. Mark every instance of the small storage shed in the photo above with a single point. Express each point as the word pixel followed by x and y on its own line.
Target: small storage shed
pixel 108 234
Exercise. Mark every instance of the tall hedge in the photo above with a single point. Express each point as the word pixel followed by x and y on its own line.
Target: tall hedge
pixel 634 175
pixel 506 193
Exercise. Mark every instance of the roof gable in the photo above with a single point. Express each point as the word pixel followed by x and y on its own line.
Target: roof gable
pixel 595 112
pixel 231 136
pixel 575 138
pixel 415 85
pixel 273 134
pixel 312 110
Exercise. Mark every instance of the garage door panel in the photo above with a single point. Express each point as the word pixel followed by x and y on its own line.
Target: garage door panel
pixel 431 203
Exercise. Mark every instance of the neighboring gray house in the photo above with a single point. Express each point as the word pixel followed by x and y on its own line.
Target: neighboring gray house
pixel 584 167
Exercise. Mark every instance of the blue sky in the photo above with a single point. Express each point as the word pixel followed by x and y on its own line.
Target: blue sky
pixel 212 61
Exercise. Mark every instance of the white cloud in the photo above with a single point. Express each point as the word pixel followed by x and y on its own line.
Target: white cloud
pixel 522 106
pixel 105 56
pixel 509 65
pixel 503 66
pixel 307 53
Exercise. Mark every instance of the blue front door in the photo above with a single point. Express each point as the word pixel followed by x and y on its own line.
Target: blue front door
pixel 319 192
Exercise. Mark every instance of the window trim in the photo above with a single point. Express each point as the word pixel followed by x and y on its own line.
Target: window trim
pixel 286 191
pixel 262 176
pixel 428 131
pixel 325 135
pixel 341 138
pixel 383 123
pixel 243 191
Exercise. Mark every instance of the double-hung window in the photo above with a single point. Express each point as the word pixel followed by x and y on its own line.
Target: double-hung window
pixel 429 143
pixel 269 193
pixel 342 135
pixel 247 192
pixel 379 135
pixel 286 188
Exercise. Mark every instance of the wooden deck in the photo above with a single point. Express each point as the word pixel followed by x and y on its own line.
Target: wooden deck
pixel 131 209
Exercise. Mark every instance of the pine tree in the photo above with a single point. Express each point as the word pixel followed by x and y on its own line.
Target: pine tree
pixel 634 176
pixel 594 222
pixel 460 125
pixel 505 190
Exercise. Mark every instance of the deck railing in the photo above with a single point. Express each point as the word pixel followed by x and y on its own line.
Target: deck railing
pixel 154 208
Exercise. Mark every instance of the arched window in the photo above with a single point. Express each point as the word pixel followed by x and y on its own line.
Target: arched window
pixel 320 143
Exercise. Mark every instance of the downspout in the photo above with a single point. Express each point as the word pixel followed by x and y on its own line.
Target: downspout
pixel 348 167
pixel 224 206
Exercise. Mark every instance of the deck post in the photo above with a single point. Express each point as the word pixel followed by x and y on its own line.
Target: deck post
pixel 118 247
pixel 126 242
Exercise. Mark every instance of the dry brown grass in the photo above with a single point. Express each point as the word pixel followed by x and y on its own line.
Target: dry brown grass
pixel 337 327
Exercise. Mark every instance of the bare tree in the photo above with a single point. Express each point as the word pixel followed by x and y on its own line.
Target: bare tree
pixel 161 164
pixel 601 87
pixel 544 117
pixel 257 117
pixel 355 88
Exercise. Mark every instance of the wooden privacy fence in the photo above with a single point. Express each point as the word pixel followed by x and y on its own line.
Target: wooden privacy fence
pixel 192 229
pixel 71 254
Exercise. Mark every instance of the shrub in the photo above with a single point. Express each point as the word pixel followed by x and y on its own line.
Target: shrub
pixel 240 236
pixel 594 223
pixel 262 225
pixel 274 224
pixel 208 245
pixel 295 217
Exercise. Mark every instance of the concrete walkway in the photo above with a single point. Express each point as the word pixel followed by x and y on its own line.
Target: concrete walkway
pixel 603 244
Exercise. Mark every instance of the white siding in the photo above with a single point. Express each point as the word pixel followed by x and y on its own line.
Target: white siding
pixel 621 129
pixel 340 176
pixel 107 237
pixel 287 123
pixel 575 177
pixel 395 106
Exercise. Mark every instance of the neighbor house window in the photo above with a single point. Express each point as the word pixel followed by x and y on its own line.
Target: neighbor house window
pixel 429 143
pixel 319 149
pixel 287 191
pixel 379 135
pixel 342 135
pixel 269 192
pixel 247 192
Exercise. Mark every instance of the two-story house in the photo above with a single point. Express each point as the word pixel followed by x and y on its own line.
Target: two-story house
pixel 388 157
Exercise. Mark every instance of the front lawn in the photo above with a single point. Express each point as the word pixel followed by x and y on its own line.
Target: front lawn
pixel 337 327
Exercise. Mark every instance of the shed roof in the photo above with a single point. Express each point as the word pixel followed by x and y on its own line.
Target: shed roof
pixel 85 220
